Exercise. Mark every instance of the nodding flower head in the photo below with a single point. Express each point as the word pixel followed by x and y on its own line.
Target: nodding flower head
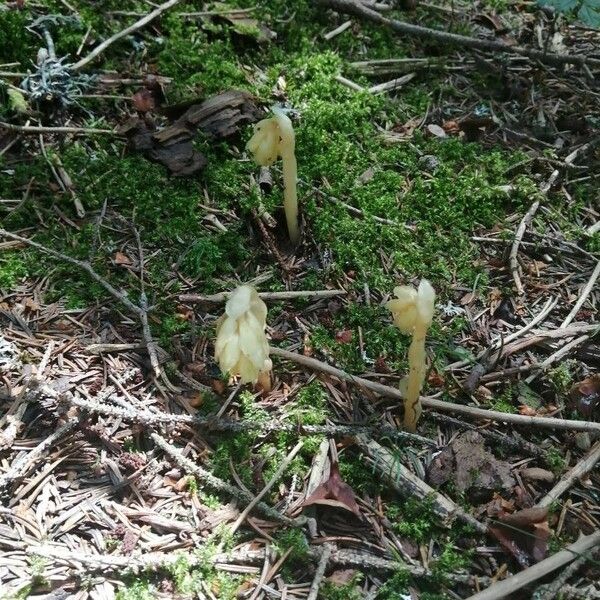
pixel 412 306
pixel 241 347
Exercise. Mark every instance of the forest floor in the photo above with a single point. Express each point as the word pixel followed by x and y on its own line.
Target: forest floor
pixel 130 467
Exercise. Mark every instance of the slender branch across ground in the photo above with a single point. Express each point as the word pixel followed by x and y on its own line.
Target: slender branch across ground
pixel 440 405
pixel 358 9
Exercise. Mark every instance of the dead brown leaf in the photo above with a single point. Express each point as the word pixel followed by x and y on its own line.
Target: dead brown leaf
pixel 407 129
pixel 122 259
pixel 143 101
pixel 451 127
pixel 585 395
pixel 334 492
pixel 344 336
pixel 524 534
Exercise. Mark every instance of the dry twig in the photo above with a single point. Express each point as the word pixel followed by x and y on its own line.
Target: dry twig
pixel 440 405
pixel 274 296
pixel 512 258
pixel 157 418
pixel 276 476
pixel 320 572
pixel 19 468
pixel 219 484
pixel 585 292
pixel 38 129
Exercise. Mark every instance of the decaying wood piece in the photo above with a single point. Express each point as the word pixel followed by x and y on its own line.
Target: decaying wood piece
pixel 409 485
pixel 218 118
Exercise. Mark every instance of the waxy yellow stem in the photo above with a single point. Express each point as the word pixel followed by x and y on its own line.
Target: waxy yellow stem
pixel 287 145
pixel 416 377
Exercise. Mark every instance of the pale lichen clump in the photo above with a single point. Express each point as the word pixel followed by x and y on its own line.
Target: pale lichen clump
pixel 274 138
pixel 412 311
pixel 241 347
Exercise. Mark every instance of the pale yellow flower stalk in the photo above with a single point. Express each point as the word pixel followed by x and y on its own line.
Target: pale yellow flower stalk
pixel 412 311
pixel 241 347
pixel 274 138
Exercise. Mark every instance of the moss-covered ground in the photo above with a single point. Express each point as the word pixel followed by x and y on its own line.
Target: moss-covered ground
pixel 434 194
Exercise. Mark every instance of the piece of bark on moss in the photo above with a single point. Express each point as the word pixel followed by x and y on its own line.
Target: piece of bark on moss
pixel 218 118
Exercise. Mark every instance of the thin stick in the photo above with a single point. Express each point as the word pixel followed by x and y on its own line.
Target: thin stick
pixel 408 485
pixel 39 129
pixel 125 32
pixel 354 7
pixel 280 471
pixel 111 563
pixel 157 418
pixel 595 228
pixel 222 296
pixel 390 86
pixel 584 466
pixel 218 484
pixel 439 405
pixel 546 310
pixel 512 258
pixel 349 83
pixel 541 335
pixel 320 572
pixel 140 311
pixel 583 296
pixel 331 34
pixel 556 356
pixel 503 589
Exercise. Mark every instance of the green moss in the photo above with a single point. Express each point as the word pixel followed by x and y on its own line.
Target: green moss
pixel 310 405
pixel 16 43
pixel 238 450
pixel 358 475
pixel 13 269
pixel 555 460
pixel 414 520
pixel 561 376
pixel 396 586
pixel 294 539
pixel 140 589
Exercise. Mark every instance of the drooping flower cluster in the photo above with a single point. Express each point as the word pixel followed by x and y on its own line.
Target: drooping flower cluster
pixel 410 306
pixel 412 311
pixel 241 347
pixel 274 138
